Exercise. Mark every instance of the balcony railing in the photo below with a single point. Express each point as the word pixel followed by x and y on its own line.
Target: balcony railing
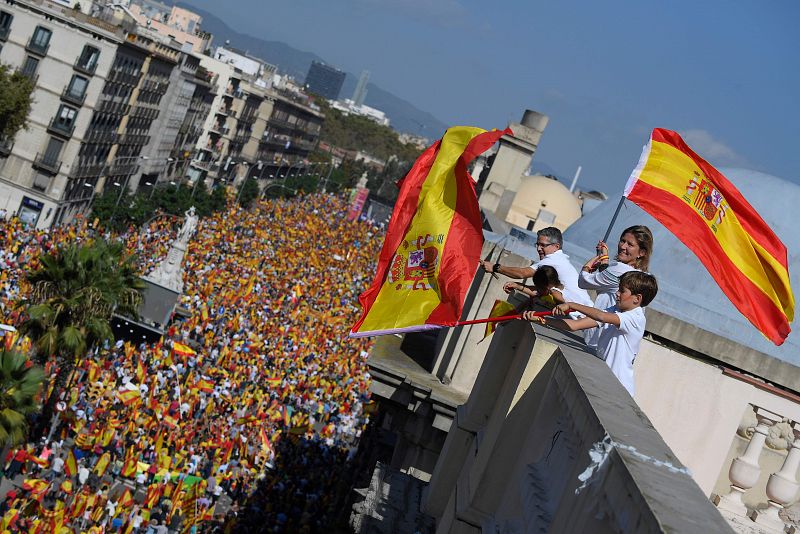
pixel 60 128
pixel 123 169
pixel 117 108
pixel 102 136
pixel 73 97
pixel 37 48
pixel 46 163
pixel 88 170
pixel 85 67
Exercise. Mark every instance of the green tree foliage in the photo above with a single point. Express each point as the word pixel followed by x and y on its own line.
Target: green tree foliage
pixel 73 294
pixel 15 101
pixel 117 213
pixel 360 133
pixel 20 384
pixel 249 192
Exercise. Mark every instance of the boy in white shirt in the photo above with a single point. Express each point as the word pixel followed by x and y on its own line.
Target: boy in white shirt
pixel 622 325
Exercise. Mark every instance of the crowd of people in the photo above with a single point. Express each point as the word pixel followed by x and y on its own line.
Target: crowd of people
pixel 258 388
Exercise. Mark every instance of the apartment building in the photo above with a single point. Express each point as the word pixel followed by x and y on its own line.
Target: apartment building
pixel 173 22
pixel 122 125
pixel 190 130
pixel 69 56
pixel 293 128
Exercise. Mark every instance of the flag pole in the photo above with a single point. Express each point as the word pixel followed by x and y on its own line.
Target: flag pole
pixel 613 219
pixel 500 318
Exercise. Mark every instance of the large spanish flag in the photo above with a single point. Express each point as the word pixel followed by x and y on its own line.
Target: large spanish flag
pixel 711 217
pixel 433 243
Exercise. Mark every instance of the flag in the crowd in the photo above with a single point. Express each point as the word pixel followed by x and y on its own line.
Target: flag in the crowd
pixel 66 486
pixel 273 382
pixel 182 350
pixel 102 464
pixel 695 202
pixel 431 250
pixel 129 396
pixel 140 372
pixel 499 309
pixel 126 499
pixel 204 385
pixel 130 465
pixel 71 464
pixel 36 486
pixel 41 462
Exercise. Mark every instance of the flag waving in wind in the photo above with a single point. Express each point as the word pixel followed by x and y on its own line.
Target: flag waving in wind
pixel 433 242
pixel 695 202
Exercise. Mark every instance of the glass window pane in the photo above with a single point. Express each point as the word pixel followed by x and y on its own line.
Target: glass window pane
pixel 53 149
pixel 77 87
pixel 41 36
pixel 30 66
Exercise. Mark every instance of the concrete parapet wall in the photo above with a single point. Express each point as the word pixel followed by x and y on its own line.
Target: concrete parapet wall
pixel 517 471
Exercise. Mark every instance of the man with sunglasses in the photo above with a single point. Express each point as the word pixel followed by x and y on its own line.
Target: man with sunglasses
pixel 548 246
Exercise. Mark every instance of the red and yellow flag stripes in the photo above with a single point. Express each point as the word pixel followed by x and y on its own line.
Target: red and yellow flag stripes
pixel 433 243
pixel 711 217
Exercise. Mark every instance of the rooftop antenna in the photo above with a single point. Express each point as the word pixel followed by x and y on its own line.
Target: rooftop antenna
pixel 575 180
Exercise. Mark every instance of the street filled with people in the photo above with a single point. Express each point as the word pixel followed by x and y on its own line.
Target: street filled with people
pixel 243 416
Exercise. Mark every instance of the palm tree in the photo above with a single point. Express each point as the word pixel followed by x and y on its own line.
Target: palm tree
pixel 73 295
pixel 20 383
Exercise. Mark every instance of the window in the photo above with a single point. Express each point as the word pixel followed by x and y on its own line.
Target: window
pixel 88 59
pixel 65 119
pixel 40 40
pixel 5 24
pixel 77 88
pixel 30 66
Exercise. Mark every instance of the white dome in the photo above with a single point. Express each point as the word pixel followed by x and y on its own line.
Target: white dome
pixel 686 290
pixel 542 197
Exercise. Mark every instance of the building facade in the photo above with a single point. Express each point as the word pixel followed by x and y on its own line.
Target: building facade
pixel 324 80
pixel 69 56
pixel 173 22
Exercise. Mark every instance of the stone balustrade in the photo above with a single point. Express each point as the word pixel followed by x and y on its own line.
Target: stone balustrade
pixel 746 475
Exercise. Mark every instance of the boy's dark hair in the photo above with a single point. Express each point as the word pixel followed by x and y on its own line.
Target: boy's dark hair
pixel 546 276
pixel 639 283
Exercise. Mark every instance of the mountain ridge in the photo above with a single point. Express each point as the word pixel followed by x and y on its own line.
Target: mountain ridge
pixel 403 116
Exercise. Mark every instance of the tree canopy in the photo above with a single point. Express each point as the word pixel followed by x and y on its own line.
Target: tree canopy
pixel 351 132
pixel 15 101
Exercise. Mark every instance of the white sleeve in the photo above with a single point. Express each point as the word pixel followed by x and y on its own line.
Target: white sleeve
pixel 629 322
pixel 605 280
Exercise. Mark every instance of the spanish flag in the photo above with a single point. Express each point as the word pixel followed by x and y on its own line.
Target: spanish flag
pixel 141 372
pixel 131 464
pixel 433 243
pixel 273 382
pixel 204 385
pixel 126 499
pixel 102 464
pixel 129 396
pixel 695 202
pixel 500 308
pixel 182 350
pixel 71 464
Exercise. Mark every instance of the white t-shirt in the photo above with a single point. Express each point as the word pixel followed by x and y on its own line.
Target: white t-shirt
pixel 567 274
pixel 618 346
pixel 606 283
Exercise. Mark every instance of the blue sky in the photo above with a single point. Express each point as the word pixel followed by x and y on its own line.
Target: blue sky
pixel 724 73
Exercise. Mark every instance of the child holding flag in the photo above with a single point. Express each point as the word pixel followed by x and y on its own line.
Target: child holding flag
pixel 621 326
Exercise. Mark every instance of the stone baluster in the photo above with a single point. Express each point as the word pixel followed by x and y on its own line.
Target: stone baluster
pixel 782 487
pixel 745 471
